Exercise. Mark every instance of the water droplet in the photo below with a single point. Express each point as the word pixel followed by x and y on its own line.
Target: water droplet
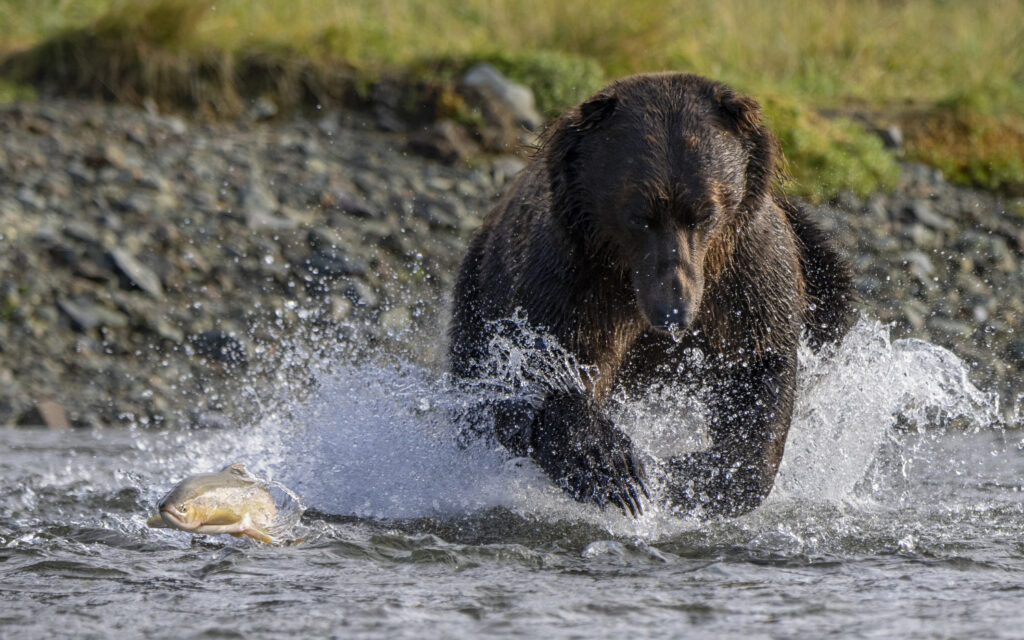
pixel 677 333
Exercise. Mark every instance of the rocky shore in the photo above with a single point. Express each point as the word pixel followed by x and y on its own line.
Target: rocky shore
pixel 150 264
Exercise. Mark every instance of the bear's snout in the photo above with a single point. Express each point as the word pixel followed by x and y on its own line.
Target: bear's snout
pixel 668 280
pixel 670 298
pixel 678 313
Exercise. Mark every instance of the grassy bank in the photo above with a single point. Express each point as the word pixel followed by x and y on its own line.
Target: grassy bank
pixel 950 73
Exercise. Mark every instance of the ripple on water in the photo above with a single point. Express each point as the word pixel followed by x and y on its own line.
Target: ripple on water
pixel 886 519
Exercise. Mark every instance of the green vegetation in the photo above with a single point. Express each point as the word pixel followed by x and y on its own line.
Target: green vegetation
pixel 13 91
pixel 951 73
pixel 558 80
pixel 971 141
pixel 828 155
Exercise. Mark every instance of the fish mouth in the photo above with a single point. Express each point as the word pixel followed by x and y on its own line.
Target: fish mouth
pixel 175 519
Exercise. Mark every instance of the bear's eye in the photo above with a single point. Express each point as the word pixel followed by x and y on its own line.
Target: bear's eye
pixel 642 218
pixel 702 215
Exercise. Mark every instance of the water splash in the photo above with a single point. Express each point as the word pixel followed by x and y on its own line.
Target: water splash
pixel 376 442
pixel 377 439
pixel 524 362
pixel 289 508
pixel 850 399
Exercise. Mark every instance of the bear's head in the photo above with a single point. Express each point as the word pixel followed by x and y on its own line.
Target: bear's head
pixel 652 173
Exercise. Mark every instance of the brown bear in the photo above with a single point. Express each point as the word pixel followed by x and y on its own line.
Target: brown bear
pixel 650 226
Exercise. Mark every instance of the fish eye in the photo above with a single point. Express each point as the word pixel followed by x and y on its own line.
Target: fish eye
pixel 182 507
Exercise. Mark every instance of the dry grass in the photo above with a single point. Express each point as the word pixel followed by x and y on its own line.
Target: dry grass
pixel 871 50
pixel 884 55
pixel 972 146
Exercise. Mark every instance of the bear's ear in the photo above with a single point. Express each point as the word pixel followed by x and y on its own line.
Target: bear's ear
pixel 560 147
pixel 594 111
pixel 560 142
pixel 742 113
pixel 765 167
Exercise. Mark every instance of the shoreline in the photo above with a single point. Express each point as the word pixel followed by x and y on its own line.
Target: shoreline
pixel 151 262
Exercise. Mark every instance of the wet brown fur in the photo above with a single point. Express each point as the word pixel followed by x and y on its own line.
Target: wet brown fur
pixel 655 164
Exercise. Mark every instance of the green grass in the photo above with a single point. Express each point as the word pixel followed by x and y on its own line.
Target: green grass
pixel 828 155
pixel 13 91
pixel 932 59
pixel 971 142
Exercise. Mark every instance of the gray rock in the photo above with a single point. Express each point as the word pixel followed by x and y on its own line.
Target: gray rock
pixel 921 175
pixel 921 266
pixel 316 166
pixel 347 203
pixel 1016 351
pixel 915 311
pixel 949 327
pixel 1002 256
pixel 920 211
pixel 79 173
pixel 13 210
pixel 137 203
pixel 445 141
pixel 137 273
pixel 108 154
pixel 845 199
pixel 369 182
pixel 437 183
pixel 220 346
pixel 436 212
pixel 892 137
pixel 81 231
pixel 46 413
pixel 176 125
pixel 973 244
pixel 29 198
pixel 330 124
pixel 339 307
pixel 516 97
pixel 505 168
pixel 168 331
pixel 87 315
pixel 867 285
pixel 396 319
pixel 262 108
pixel 388 119
pixel 257 200
pixel 922 236
pixel 333 263
pixel 361 294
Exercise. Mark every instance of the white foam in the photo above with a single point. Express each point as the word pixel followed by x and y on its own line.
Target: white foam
pixel 848 401
pixel 378 440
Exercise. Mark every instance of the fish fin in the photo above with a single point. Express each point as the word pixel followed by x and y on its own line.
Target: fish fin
pixel 237 469
pixel 235 534
pixel 156 522
pixel 258 534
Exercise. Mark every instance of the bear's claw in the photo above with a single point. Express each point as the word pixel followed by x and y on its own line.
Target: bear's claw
pixel 580 448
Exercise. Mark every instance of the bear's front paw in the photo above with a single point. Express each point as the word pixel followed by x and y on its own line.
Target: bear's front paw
pixel 587 455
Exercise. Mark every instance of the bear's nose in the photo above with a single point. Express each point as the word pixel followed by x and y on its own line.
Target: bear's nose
pixel 676 313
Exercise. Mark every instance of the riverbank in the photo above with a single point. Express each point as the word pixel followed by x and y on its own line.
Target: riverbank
pixel 153 265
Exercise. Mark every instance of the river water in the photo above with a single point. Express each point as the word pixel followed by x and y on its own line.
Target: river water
pixel 899 512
